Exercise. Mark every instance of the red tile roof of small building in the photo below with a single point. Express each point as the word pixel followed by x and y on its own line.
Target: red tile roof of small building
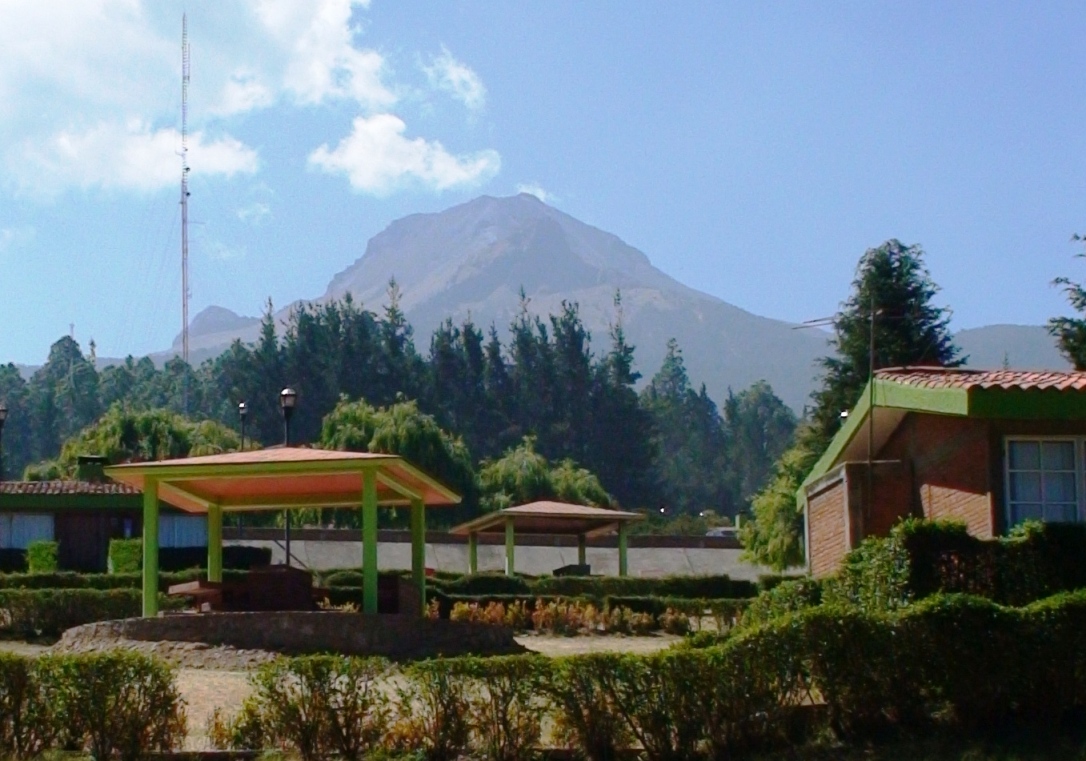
pixel 942 377
pixel 38 488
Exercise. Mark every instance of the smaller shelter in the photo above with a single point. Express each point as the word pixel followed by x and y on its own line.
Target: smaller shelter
pixel 283 478
pixel 554 518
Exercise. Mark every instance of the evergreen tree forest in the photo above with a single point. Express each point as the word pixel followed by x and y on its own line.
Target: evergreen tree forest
pixel 542 391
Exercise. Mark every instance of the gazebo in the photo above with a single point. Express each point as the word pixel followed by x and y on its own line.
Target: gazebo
pixel 283 478
pixel 553 518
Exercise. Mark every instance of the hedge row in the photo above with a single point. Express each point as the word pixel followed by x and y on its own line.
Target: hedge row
pixel 958 662
pixel 107 704
pixel 921 558
pixel 238 557
pixel 49 612
pixel 74 580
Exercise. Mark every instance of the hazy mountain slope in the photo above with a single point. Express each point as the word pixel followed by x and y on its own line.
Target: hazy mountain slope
pixel 1025 347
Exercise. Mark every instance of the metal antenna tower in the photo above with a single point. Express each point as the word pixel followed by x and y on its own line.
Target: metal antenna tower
pixel 184 188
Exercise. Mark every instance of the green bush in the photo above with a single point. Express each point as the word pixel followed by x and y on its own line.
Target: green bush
pixel 505 703
pixel 120 703
pixel 689 587
pixel 582 698
pixel 125 555
pixel 27 723
pixel 322 705
pixel 783 598
pixel 75 580
pixel 434 712
pixel 49 612
pixel 41 557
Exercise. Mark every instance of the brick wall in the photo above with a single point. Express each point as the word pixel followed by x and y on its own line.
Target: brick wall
pixel 827 527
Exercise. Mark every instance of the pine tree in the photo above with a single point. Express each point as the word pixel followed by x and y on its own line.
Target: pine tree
pixel 1070 332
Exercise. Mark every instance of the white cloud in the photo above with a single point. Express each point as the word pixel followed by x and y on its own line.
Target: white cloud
pixel 16 237
pixel 127 157
pixel 458 80
pixel 223 252
pixel 378 159
pixel 535 189
pixel 255 214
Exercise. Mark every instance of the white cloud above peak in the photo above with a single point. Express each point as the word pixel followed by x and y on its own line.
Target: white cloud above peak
pixel 451 76
pixel 378 159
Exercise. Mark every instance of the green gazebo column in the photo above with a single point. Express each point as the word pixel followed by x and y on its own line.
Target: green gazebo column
pixel 622 542
pixel 369 541
pixel 150 548
pixel 581 549
pixel 473 552
pixel 418 550
pixel 214 543
pixel 510 546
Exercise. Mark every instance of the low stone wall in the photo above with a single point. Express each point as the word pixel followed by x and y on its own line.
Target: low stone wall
pixel 297 632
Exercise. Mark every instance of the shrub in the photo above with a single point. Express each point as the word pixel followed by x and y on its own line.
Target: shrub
pixel 49 612
pixel 434 710
pixel 488 584
pixel 240 731
pixel 41 557
pixel 27 724
pixel 781 599
pixel 505 704
pixel 12 560
pixel 687 587
pixel 120 702
pixel 674 622
pixel 582 698
pixel 321 705
pixel 125 555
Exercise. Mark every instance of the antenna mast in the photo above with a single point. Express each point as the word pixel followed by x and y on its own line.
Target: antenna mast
pixel 184 189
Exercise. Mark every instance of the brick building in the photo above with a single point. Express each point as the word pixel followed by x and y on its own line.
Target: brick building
pixel 987 448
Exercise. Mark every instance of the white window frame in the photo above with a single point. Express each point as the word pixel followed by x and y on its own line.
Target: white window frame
pixel 1080 472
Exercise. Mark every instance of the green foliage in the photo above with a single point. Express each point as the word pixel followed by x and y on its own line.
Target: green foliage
pixel 586 714
pixel 125 555
pixel 322 705
pixel 1070 332
pixel 28 613
pixel 27 722
pixel 523 475
pixel 774 535
pixel 505 700
pixel 437 716
pixel 786 597
pixel 41 556
pixel 119 703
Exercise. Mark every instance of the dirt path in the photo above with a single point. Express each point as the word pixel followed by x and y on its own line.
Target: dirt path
pixel 558 646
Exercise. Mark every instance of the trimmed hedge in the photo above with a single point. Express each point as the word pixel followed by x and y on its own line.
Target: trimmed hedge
pixel 49 612
pixel 125 555
pixel 108 704
pixel 12 560
pixel 921 558
pixel 75 580
pixel 954 662
pixel 41 557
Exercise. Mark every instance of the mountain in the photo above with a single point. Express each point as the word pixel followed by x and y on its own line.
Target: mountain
pixel 472 260
pixel 1023 347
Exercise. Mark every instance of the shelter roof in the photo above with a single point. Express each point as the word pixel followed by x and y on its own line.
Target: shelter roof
pixel 546 517
pixel 945 377
pixel 282 477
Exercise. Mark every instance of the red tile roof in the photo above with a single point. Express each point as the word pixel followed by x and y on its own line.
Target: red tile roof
pixel 39 488
pixel 941 377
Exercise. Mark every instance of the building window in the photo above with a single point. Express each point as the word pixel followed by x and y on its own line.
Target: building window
pixel 1044 480
pixel 182 531
pixel 18 530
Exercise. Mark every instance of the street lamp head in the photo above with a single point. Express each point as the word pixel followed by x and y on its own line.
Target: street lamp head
pixel 288 397
pixel 243 409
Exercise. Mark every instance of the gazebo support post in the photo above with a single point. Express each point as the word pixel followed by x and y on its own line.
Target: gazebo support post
pixel 510 545
pixel 581 549
pixel 369 541
pixel 623 568
pixel 150 548
pixel 418 550
pixel 214 543
pixel 473 553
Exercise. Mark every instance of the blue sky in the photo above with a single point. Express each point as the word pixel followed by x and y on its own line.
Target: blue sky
pixel 752 150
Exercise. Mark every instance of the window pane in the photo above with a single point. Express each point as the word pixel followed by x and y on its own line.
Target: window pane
pixel 1026 512
pixel 1067 513
pixel 27 528
pixel 1025 455
pixel 1058 455
pixel 1059 487
pixel 1025 487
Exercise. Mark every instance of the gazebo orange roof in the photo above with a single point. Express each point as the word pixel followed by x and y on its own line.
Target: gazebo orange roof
pixel 548 517
pixel 281 478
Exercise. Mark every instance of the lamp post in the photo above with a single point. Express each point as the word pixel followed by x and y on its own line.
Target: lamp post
pixel 243 413
pixel 3 417
pixel 288 398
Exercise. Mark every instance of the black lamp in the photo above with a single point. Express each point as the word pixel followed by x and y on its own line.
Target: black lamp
pixel 243 413
pixel 288 398
pixel 3 417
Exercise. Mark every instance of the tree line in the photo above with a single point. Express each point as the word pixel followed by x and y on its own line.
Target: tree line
pixel 543 397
